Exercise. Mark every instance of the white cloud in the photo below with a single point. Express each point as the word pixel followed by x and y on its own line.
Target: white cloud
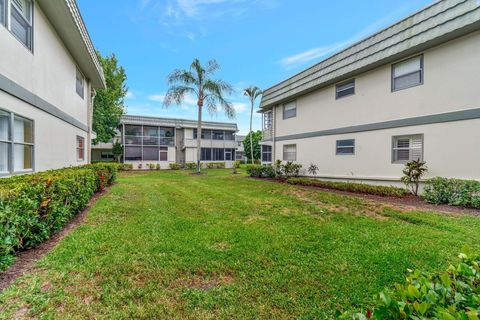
pixel 309 55
pixel 157 98
pixel 188 101
pixel 239 107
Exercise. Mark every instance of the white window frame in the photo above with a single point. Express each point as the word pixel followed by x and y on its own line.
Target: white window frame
pixel 12 142
pixel 421 70
pixel 338 147
pixel 78 87
pixel 268 120
pixel 410 148
pixel 270 152
pixel 10 6
pixel 287 155
pixel 292 105
pixel 78 149
pixel 344 86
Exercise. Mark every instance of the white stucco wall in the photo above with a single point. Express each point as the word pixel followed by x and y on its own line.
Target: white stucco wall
pixel 48 72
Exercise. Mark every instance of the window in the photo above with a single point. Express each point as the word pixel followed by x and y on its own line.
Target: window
pixel 21 12
pixel 218 154
pixel 106 155
pixel 268 120
pixel 407 74
pixel 16 143
pixel 5 142
pixel 206 154
pixel 206 134
pixel 133 153
pixel 2 13
pixel 290 152
pixel 150 136
pixel 346 147
pixel 80 148
pixel 290 110
pixel 217 135
pixel 80 83
pixel 150 153
pixel 407 148
pixel 345 89
pixel 167 136
pixel 133 135
pixel 163 153
pixel 229 135
pixel 266 153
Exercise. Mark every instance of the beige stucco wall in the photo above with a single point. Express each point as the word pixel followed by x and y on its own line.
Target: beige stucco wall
pixel 55 140
pixel 451 70
pixel 451 78
pixel 48 72
pixel 450 149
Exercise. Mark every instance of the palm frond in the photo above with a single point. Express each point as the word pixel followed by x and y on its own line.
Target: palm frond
pixel 212 67
pixel 182 76
pixel 176 94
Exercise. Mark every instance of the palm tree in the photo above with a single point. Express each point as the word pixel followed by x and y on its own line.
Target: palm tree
pixel 252 93
pixel 197 81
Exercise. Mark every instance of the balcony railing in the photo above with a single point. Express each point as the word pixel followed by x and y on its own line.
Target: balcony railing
pixel 149 141
pixel 267 135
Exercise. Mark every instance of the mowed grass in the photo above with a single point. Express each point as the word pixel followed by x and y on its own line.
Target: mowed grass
pixel 168 245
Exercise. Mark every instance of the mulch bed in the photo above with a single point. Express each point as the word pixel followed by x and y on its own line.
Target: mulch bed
pixel 409 201
pixel 25 260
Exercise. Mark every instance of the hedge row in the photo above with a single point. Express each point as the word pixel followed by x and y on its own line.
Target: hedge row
pixel 455 192
pixel 33 207
pixel 386 191
pixel 450 295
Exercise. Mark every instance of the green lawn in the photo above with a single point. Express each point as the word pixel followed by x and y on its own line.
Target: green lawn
pixel 170 245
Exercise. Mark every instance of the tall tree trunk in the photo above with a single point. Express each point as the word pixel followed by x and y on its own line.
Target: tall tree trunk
pixel 199 137
pixel 251 135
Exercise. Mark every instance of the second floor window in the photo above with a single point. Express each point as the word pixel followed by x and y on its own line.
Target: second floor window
pixel 290 110
pixel 17 16
pixel 80 84
pixel 345 89
pixel 407 74
pixel 268 120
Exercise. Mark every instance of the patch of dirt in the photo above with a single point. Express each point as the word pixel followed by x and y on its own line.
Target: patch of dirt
pixel 408 203
pixel 204 281
pixel 25 261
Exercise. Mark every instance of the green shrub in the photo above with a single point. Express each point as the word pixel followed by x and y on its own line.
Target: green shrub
pixel 455 192
pixel 258 171
pixel 125 167
pixel 291 169
pixel 174 166
pixel 412 174
pixel 33 207
pixel 190 166
pixel 453 294
pixel 235 167
pixel 151 166
pixel 386 191
pixel 215 165
pixel 157 166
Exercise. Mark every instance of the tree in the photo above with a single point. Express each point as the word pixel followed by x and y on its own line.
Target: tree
pixel 198 82
pixel 413 172
pixel 117 150
pixel 252 93
pixel 255 142
pixel 108 106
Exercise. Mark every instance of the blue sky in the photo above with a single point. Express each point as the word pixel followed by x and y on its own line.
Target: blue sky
pixel 259 42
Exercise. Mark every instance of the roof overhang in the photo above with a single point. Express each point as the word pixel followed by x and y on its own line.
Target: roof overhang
pixel 65 17
pixel 440 22
pixel 177 123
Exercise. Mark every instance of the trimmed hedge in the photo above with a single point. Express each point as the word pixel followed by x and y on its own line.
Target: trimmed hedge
pixel 455 192
pixel 258 171
pixel 453 294
pixel 384 191
pixel 33 207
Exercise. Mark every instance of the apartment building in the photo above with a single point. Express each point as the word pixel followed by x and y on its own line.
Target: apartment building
pixel 410 91
pixel 162 141
pixel 240 150
pixel 48 75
